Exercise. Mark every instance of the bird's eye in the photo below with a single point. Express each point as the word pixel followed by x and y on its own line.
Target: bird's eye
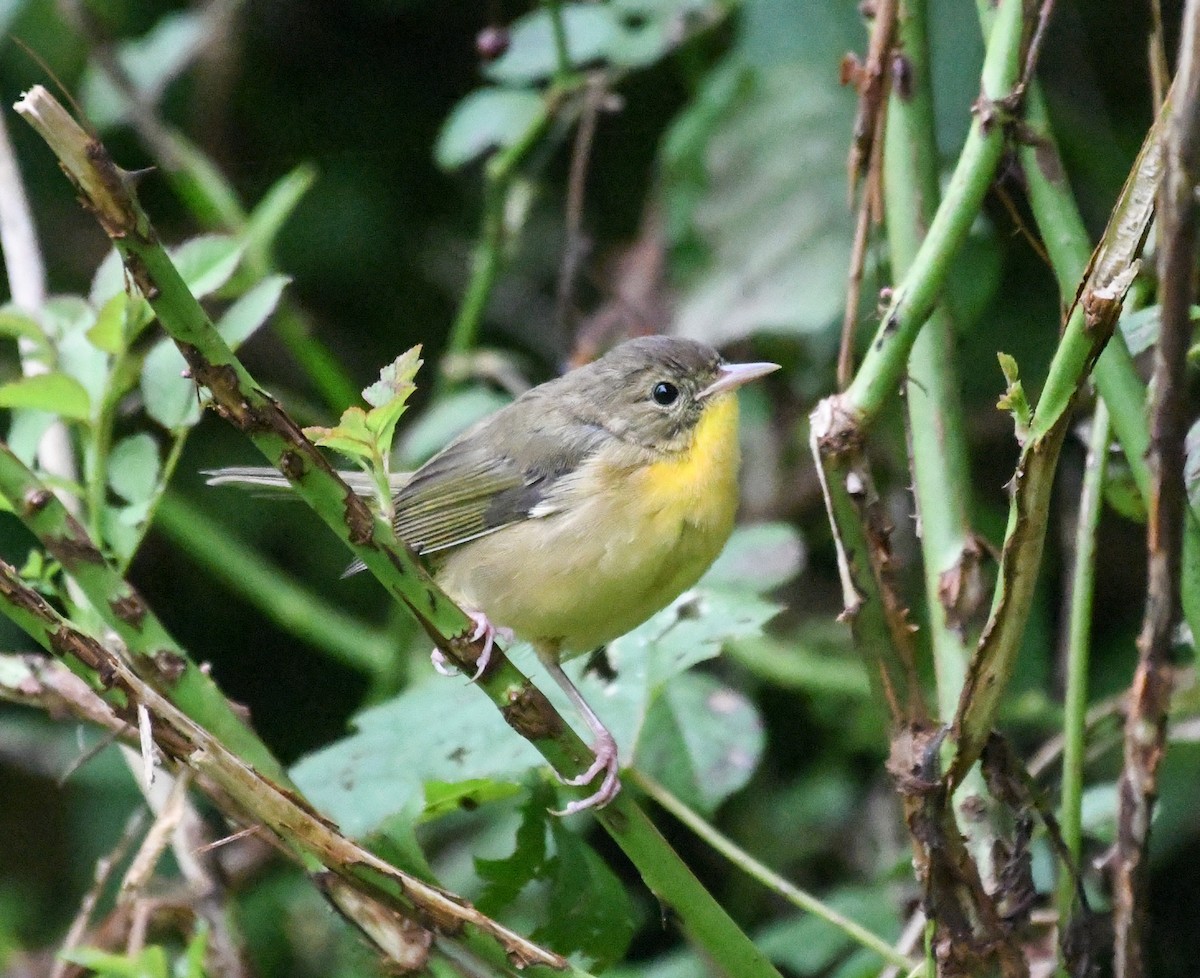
pixel 664 393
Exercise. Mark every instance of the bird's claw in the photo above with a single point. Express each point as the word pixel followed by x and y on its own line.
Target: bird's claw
pixel 606 760
pixel 485 630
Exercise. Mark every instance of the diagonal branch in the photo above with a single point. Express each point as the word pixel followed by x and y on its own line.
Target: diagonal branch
pixel 1146 723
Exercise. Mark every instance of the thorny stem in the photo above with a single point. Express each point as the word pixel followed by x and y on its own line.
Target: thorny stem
pixel 241 401
pixel 1150 693
pixel 914 298
pixel 1079 636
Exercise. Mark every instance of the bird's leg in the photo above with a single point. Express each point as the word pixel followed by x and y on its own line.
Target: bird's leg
pixel 604 747
pixel 485 630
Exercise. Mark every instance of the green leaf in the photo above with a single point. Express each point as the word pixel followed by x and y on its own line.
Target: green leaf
pixel 1141 327
pixel 20 325
pixel 25 432
pixel 276 206
pixel 368 435
pixel 590 912
pixel 592 31
pixel 150 962
pixel 171 398
pixel 505 878
pixel 207 262
pixel 244 317
pixel 133 468
pixel 447 732
pixel 809 945
pixel 1013 399
pixel 759 557
pixel 108 334
pixel 53 392
pixel 701 739
pixel 352 436
pixel 490 118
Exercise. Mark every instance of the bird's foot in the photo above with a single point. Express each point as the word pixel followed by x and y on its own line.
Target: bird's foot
pixel 485 630
pixel 605 749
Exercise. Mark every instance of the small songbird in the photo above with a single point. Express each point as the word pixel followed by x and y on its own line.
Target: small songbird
pixel 576 512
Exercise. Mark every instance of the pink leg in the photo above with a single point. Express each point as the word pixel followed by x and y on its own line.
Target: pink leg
pixel 485 630
pixel 604 747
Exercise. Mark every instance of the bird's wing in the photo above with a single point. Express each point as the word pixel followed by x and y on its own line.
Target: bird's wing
pixel 470 489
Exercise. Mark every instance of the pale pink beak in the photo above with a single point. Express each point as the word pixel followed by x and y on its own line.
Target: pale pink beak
pixel 731 376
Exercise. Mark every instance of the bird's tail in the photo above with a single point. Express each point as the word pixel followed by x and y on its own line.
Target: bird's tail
pixel 262 477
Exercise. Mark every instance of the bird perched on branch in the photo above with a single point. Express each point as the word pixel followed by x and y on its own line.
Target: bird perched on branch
pixel 576 512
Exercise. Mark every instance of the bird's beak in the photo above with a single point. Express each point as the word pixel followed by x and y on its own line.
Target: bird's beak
pixel 731 376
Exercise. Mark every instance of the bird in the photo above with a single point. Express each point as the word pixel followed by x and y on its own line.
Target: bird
pixel 574 513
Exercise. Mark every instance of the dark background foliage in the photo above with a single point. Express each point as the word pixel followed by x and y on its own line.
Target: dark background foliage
pixel 379 251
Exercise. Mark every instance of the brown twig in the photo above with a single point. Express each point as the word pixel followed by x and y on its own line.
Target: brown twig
pixel 1150 693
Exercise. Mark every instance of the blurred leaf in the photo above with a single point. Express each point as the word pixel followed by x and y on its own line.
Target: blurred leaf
pixel 622 33
pixel 445 731
pixel 591 29
pixel 759 557
pixel 108 333
pixel 755 192
pixel 207 262
pixel 679 964
pixel 133 468
pixel 276 206
pixel 809 945
pixel 171 398
pixel 1191 466
pixel 1098 812
pixel 108 281
pixel 150 962
pixel 489 118
pixel 446 418
pixel 20 325
pixel 25 432
pixel 701 739
pixel 242 319
pixel 150 62
pixel 54 392
pixel 1121 491
pixel 1141 327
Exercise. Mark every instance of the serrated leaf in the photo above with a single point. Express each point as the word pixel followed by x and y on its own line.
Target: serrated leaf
pixel 133 468
pixel 171 398
pixel 352 436
pixel 207 262
pixel 242 319
pixel 53 392
pixel 1013 400
pixel 506 877
pixel 276 206
pixel 490 118
pixel 701 739
pixel 591 910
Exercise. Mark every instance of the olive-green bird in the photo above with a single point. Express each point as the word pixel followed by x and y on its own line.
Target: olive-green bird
pixel 576 512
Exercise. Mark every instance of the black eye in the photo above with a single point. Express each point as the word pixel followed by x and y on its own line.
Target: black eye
pixel 664 393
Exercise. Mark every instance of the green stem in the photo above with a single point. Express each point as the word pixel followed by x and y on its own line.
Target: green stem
pixel 489 250
pixel 246 405
pixel 562 51
pixel 914 298
pixel 1083 581
pixel 938 442
pixel 158 658
pixel 770 879
pixel 294 608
